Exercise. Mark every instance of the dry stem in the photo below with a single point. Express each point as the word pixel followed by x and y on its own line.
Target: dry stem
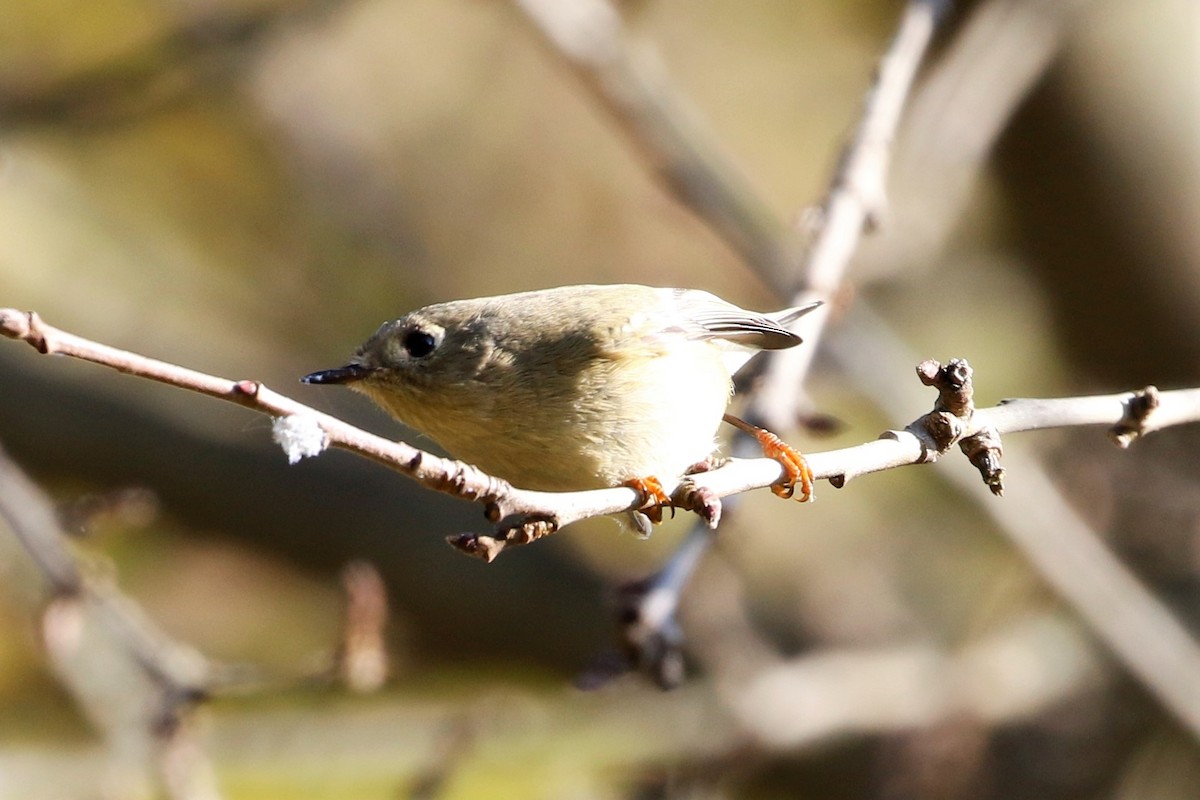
pixel 521 516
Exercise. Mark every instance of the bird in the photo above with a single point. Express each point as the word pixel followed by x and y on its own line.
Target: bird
pixel 575 387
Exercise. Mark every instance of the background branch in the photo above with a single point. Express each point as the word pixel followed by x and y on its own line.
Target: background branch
pixel 630 82
pixel 1144 636
pixel 854 204
pixel 135 684
pixel 274 209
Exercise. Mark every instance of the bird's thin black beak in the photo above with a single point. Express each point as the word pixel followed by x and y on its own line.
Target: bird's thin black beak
pixel 347 374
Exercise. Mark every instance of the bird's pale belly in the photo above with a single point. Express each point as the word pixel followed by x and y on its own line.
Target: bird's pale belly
pixel 616 430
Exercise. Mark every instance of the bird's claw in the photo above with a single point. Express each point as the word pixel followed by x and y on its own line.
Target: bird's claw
pixel 654 497
pixel 795 467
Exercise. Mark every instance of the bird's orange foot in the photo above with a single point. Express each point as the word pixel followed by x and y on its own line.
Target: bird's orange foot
pixel 795 465
pixel 654 497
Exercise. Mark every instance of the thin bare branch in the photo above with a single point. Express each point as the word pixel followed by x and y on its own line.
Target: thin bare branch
pixel 438 473
pixel 1010 675
pixel 1069 555
pixel 809 699
pixel 854 204
pixel 1143 634
pixel 965 101
pixel 521 516
pixel 630 82
pixel 132 681
pixel 362 659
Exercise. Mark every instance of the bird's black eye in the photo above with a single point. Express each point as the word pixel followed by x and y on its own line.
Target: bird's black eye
pixel 419 343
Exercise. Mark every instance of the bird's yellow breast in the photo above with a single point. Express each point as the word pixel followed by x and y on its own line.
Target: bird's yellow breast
pixel 598 419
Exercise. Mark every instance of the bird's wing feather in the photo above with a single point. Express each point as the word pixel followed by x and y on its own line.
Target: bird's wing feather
pixel 705 316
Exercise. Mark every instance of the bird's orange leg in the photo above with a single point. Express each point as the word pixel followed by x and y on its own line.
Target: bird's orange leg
pixel 654 497
pixel 795 465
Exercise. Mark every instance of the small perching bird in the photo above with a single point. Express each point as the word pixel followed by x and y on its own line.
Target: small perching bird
pixel 577 387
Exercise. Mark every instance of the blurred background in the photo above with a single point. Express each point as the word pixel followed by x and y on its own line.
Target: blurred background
pixel 249 187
